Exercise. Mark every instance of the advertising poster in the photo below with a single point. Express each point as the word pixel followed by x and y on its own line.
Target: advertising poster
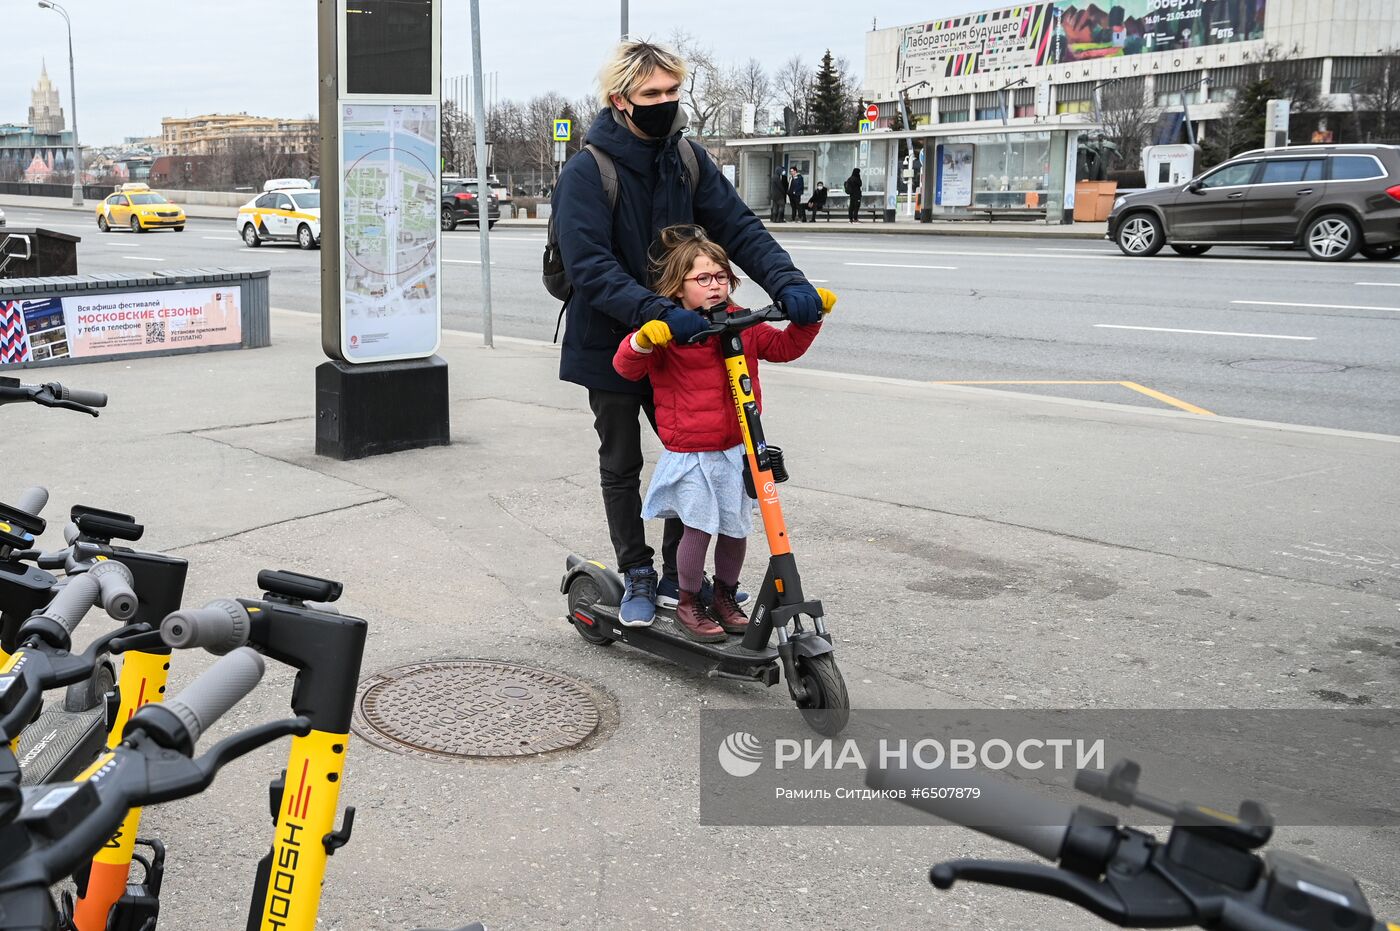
pixel 115 324
pixel 1040 34
pixel 1086 31
pixel 954 182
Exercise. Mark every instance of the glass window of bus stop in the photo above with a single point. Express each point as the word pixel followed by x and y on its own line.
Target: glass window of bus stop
pixel 1011 169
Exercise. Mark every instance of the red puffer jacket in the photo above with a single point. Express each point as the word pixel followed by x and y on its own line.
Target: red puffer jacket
pixel 694 410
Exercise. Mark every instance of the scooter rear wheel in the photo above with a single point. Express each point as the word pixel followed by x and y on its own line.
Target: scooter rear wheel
pixel 89 693
pixel 827 707
pixel 584 592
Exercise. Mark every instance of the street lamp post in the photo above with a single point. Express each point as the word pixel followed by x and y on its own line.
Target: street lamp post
pixel 73 105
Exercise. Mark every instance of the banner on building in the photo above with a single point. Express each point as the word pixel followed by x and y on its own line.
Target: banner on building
pixel 116 324
pixel 1040 34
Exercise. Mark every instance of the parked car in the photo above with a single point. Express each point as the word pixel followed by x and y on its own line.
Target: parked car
pixel 2 217
pixel 289 210
pixel 1333 200
pixel 459 204
pixel 136 206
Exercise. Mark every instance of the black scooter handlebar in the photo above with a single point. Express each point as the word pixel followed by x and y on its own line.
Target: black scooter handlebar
pixel 987 804
pixel 721 321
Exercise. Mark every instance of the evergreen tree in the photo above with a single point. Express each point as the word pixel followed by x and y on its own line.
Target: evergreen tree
pixel 827 103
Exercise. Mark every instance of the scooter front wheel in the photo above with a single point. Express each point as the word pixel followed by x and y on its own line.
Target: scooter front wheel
pixel 583 593
pixel 827 707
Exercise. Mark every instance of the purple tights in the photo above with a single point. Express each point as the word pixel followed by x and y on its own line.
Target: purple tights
pixel 690 558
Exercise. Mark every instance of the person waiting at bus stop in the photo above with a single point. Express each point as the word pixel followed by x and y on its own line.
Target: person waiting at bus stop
pixel 606 253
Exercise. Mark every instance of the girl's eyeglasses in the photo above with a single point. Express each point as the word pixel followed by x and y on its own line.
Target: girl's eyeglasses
pixel 705 279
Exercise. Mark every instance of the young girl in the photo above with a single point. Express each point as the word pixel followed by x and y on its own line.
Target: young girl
pixel 700 477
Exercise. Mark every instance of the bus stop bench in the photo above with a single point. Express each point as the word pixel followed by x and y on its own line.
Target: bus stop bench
pixel 1009 213
pixel 840 208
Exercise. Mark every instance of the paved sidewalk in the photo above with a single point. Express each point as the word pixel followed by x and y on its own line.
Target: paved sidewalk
pixel 973 549
pixel 904 226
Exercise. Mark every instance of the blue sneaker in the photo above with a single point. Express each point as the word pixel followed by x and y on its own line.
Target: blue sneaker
pixel 638 608
pixel 668 593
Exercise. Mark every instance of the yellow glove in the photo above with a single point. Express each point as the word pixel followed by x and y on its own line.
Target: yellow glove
pixel 653 335
pixel 828 300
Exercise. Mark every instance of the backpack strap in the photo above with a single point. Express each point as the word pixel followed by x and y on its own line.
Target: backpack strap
pixel 607 171
pixel 692 165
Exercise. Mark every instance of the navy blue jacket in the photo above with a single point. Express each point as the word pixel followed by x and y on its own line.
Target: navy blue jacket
pixel 797 186
pixel 606 252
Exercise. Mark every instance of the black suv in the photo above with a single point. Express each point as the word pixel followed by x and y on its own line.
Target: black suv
pixel 1334 200
pixel 459 204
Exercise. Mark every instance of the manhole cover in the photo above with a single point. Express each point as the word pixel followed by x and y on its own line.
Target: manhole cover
pixel 1288 366
pixel 458 709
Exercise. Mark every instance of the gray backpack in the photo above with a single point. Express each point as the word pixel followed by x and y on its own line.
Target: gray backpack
pixel 556 279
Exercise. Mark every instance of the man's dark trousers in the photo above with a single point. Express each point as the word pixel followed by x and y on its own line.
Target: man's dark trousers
pixel 620 470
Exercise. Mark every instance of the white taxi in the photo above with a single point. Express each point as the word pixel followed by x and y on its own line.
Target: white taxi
pixel 289 210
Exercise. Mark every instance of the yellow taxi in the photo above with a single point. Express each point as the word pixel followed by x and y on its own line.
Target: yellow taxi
pixel 138 207
pixel 289 210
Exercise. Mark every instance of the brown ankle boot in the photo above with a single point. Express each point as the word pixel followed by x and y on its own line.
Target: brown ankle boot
pixel 726 610
pixel 695 622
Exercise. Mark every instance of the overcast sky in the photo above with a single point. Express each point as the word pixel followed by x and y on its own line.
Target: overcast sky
pixel 140 60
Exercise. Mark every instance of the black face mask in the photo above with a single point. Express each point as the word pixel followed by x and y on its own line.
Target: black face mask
pixel 655 119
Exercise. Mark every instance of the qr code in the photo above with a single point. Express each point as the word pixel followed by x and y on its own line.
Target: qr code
pixel 155 331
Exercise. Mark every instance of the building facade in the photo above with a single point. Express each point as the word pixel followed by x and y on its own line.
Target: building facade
pixel 214 133
pixel 45 110
pixel 1033 63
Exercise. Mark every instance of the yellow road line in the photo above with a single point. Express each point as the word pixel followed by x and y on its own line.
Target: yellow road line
pixel 1131 385
pixel 1167 399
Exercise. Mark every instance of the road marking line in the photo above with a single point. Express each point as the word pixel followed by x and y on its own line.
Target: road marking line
pixel 1161 329
pixel 1379 284
pixel 946 268
pixel 142 258
pixel 464 261
pixel 1167 399
pixel 1318 306
pixel 1149 392
pixel 224 238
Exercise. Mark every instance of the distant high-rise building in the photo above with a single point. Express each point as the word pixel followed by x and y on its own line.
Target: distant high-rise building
pixel 45 111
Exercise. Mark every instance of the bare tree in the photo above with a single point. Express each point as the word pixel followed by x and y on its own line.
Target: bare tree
pixel 1128 118
pixel 1380 94
pixel 706 89
pixel 794 82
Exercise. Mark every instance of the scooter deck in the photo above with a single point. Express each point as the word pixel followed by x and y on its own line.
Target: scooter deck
pixel 729 652
pixel 59 744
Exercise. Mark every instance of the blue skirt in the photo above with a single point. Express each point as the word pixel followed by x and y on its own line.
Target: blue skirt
pixel 705 490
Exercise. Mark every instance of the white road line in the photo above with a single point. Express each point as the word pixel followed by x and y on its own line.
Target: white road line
pixel 1317 306
pixel 1379 284
pixel 142 258
pixel 946 268
pixel 1159 329
pixel 224 238
pixel 464 261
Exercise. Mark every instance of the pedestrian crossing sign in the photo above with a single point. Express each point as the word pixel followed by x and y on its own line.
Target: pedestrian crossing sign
pixel 563 130
pixel 866 126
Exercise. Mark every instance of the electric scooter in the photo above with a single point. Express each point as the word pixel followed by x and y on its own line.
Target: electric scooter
pixel 803 655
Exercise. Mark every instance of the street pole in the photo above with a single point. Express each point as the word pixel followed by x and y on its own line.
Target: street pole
pixel 483 186
pixel 73 105
pixel 624 19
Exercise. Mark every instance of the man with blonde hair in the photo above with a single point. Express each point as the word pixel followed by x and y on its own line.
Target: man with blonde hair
pixel 605 245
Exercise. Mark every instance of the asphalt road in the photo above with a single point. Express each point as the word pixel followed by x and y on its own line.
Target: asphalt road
pixel 1245 333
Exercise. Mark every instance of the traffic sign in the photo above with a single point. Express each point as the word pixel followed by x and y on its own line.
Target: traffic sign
pixel 867 126
pixel 872 113
pixel 563 130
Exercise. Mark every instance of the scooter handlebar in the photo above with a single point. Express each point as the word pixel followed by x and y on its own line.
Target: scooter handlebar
pixel 219 626
pixel 32 500
pixel 217 689
pixel 115 583
pixel 82 396
pixel 999 809
pixel 73 601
